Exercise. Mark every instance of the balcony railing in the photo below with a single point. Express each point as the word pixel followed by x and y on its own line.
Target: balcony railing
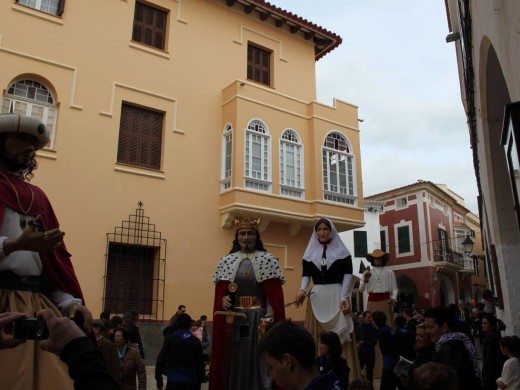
pixel 449 256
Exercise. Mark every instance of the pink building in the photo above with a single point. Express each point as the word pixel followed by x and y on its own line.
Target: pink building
pixel 423 227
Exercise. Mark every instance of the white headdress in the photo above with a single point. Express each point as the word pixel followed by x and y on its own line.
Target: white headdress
pixel 336 249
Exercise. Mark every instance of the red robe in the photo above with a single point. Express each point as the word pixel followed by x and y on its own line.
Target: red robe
pixel 220 350
pixel 56 265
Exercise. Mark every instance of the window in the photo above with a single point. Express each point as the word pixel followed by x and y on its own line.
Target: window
pixel 140 137
pixel 338 169
pixel 258 65
pixel 53 7
pixel 401 203
pixel 360 243
pixel 149 26
pixel 444 244
pixel 460 236
pixel 382 234
pixel 291 164
pixel 129 280
pixel 257 156
pixel 135 267
pixel 29 97
pixel 227 157
pixel 403 240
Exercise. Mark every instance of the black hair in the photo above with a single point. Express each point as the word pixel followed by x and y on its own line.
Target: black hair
pixel 115 322
pixel 512 343
pixel 288 337
pixel 123 331
pixel 23 173
pixel 181 307
pixel 259 246
pixel 379 318
pixel 365 313
pixel 400 322
pixel 320 221
pixel 331 340
pixel 184 321
pixel 491 318
pixel 105 315
pixel 441 315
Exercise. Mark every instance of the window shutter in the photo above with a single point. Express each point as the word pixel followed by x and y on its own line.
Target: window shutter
pixel 149 26
pixel 403 238
pixel 140 137
pixel 258 65
pixel 360 244
pixel 129 278
pixel 382 234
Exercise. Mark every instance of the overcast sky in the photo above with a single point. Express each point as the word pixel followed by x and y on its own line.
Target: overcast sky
pixel 395 65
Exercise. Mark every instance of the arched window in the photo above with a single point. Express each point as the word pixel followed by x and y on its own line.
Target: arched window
pixel 291 164
pixel 227 157
pixel 257 161
pixel 29 97
pixel 338 169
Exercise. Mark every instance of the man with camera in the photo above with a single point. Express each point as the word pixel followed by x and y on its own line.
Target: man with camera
pixel 35 268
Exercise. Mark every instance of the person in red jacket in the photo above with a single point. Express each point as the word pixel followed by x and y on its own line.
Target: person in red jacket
pixel 248 289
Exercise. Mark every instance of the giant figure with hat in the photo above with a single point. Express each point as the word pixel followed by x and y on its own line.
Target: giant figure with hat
pixel 381 285
pixel 248 293
pixel 35 268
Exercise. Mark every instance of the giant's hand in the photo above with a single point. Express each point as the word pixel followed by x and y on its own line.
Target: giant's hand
pixel 226 302
pixel 344 306
pixel 300 297
pixel 62 330
pixel 6 322
pixel 35 239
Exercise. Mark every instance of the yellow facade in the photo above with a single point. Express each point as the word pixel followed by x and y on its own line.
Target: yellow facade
pixel 87 59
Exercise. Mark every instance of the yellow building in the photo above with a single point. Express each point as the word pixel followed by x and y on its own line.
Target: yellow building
pixel 169 120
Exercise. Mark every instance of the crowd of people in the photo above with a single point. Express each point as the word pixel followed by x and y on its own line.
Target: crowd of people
pixel 253 346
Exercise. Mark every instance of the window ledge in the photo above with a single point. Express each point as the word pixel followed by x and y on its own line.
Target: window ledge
pixel 139 171
pixel 149 50
pixel 49 154
pixel 38 14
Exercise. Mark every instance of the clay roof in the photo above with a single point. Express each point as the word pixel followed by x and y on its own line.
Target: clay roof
pixel 324 40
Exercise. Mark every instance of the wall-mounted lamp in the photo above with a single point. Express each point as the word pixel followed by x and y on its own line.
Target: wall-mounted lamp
pixel 467 245
pixel 452 37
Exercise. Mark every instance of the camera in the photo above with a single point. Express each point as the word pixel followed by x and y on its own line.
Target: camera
pixel 30 329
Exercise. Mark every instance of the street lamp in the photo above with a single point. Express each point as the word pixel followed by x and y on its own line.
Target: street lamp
pixel 468 245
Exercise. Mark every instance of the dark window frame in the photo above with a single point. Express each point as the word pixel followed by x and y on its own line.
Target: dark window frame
pixel 360 243
pixel 382 237
pixel 140 137
pixel 259 68
pixel 150 25
pixel 403 245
